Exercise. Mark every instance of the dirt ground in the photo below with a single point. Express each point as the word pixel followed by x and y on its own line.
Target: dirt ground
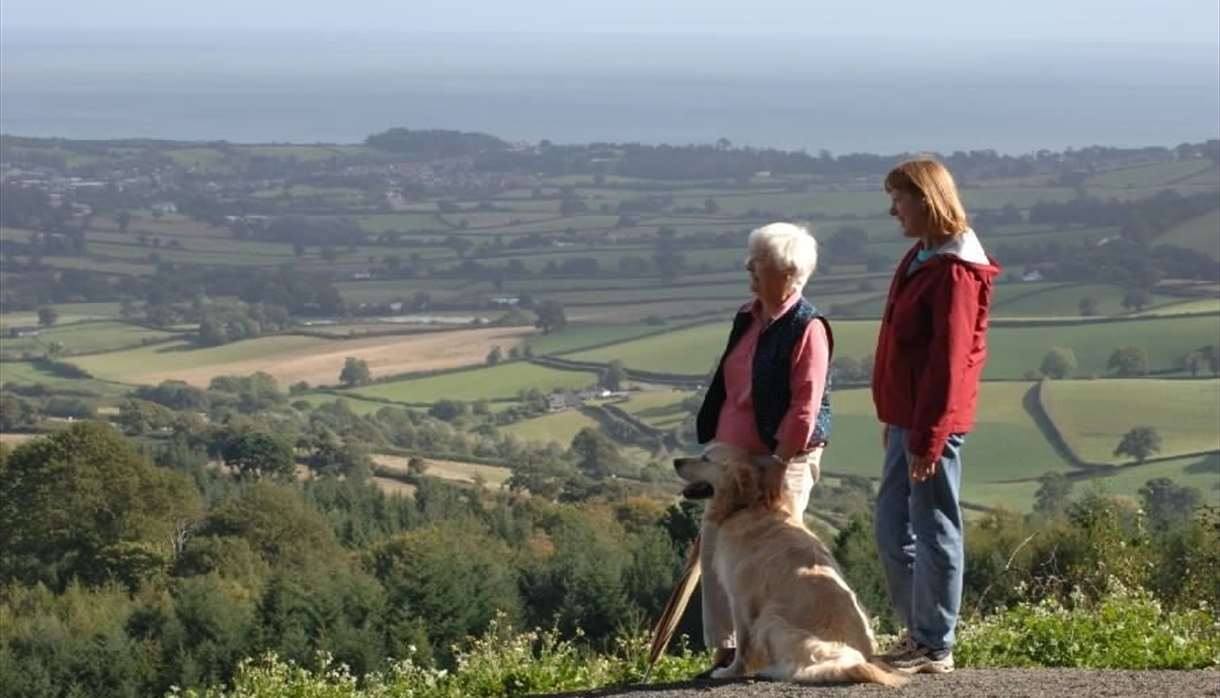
pixel 964 683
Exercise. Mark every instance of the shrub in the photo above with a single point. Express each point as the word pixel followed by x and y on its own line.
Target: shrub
pixel 1126 629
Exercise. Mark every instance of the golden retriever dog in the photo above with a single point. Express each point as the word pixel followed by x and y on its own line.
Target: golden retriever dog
pixel 794 617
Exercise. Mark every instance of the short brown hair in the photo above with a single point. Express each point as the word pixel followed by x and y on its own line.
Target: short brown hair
pixel 931 181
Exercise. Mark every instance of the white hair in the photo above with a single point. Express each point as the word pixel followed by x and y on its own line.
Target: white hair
pixel 789 247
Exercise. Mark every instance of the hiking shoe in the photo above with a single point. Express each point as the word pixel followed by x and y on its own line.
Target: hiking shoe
pixel 901 648
pixel 924 660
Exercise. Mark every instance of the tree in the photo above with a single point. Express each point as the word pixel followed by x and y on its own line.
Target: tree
pixel 1139 443
pixel 417 466
pixel 85 503
pixel 47 316
pixel 1128 361
pixel 1053 494
pixel 614 376
pixel 123 219
pixel 1135 299
pixel 256 454
pixel 1088 306
pixel 1168 504
pixel 495 356
pixel 551 316
pixel 355 372
pixel 596 455
pixel 1059 363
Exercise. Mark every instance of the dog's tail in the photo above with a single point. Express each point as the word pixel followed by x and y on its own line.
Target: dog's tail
pixel 831 662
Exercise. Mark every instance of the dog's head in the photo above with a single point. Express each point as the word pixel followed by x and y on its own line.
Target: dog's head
pixel 737 479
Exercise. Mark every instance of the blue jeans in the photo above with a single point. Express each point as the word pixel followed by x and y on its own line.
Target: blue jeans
pixel 918 527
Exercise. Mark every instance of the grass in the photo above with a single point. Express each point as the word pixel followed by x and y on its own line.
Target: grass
pixel 83 338
pixel 1006 444
pixel 576 337
pixel 1200 472
pixel 68 313
pixel 559 426
pixel 26 373
pixel 694 350
pixel 503 381
pixel 658 408
pixel 1015 350
pixel 1063 300
pixel 1201 234
pixel 1186 414
pixel 1152 175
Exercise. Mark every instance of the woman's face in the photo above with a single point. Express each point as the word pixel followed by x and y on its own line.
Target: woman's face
pixel 767 281
pixel 910 210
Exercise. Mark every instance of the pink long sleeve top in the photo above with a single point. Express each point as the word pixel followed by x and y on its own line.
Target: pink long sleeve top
pixel 736 424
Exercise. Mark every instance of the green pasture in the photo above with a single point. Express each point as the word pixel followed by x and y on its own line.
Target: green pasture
pixel 1209 178
pixel 26 373
pixel 1014 350
pixel 658 408
pixel 68 313
pixel 1200 472
pixel 1201 234
pixel 1006 443
pixel 694 351
pixel 301 153
pixel 1151 175
pixel 1198 305
pixel 503 381
pixel 674 311
pixel 200 158
pixel 1042 299
pixel 360 407
pixel 210 244
pixel 480 220
pixel 342 195
pixel 1017 349
pixel 577 337
pixel 403 222
pixel 1012 496
pixel 84 338
pixel 380 291
pixel 1092 416
pixel 560 427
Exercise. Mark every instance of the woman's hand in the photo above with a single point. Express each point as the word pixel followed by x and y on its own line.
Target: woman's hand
pixel 921 468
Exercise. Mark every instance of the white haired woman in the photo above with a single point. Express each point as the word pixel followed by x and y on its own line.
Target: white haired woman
pixel 769 395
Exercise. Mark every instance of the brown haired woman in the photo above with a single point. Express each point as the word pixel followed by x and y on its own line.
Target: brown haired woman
pixel 929 360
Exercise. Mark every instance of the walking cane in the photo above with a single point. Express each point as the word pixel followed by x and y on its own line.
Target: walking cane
pixel 672 615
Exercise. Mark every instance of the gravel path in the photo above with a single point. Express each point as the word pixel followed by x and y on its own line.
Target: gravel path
pixel 964 683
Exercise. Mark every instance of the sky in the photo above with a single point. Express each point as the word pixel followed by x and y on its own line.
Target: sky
pixel 1125 21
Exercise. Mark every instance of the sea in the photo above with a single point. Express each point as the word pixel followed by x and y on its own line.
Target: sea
pixel 837 94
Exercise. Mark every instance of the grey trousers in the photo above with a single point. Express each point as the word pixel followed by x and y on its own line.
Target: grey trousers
pixel 802 473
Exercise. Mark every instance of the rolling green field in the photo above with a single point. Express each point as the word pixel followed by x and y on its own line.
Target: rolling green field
pixel 1063 300
pixel 1014 349
pixel 68 313
pixel 560 427
pixel 84 338
pixel 1186 414
pixel 26 373
pixel 1152 175
pixel 1200 234
pixel 658 408
pixel 1006 443
pixel 503 381
pixel 576 337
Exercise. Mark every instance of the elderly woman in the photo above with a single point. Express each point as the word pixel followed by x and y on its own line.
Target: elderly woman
pixel 769 395
pixel 930 354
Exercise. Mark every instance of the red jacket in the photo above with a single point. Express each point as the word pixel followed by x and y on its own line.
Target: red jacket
pixel 932 347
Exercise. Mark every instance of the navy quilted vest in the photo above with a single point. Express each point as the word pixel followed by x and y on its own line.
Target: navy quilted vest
pixel 771 389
